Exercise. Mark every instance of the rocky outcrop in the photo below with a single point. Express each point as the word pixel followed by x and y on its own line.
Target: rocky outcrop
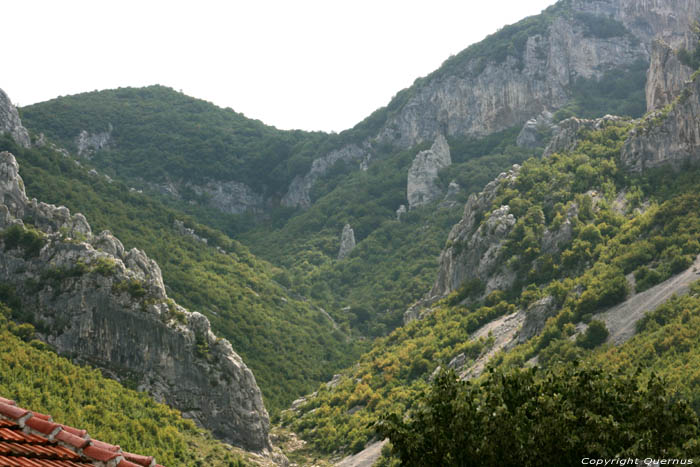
pixel 298 194
pixel 231 197
pixel 401 211
pixel 474 245
pixel 89 143
pixel 670 136
pixel 479 96
pixel 567 133
pixel 535 318
pixel 536 131
pixel 669 20
pixel 452 195
pixel 100 304
pixel 666 76
pixel 10 121
pixel 422 186
pixel 347 241
pixel 187 232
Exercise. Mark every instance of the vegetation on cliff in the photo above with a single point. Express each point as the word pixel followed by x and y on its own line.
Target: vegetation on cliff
pixel 38 379
pixel 644 226
pixel 221 279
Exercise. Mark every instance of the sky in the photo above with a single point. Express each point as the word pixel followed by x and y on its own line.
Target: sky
pixel 305 64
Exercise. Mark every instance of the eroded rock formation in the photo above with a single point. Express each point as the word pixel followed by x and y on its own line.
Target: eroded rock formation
pixel 98 303
pixel 422 186
pixel 10 121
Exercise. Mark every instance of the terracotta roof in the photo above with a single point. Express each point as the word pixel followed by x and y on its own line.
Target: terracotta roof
pixel 31 439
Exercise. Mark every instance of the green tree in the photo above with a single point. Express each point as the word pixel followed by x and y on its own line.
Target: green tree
pixel 520 418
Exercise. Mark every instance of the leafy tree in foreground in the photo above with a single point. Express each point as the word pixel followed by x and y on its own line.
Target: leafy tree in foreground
pixel 531 417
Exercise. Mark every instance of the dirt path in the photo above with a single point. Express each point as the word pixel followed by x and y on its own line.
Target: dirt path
pixel 364 458
pixel 621 320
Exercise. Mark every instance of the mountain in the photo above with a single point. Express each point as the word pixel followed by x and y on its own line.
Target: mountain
pixel 248 180
pixel 532 202
pixel 90 298
pixel 588 254
pixel 205 271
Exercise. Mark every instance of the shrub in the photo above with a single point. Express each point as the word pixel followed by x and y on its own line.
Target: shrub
pixel 27 238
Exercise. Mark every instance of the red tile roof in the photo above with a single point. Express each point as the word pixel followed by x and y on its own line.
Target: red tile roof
pixel 31 439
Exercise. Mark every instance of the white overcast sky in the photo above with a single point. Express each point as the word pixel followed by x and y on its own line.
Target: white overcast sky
pixel 309 64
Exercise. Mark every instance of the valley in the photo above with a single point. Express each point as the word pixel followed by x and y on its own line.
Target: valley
pixel 528 211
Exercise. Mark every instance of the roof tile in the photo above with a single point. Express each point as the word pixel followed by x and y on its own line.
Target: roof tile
pixel 74 431
pixel 144 461
pixel 100 454
pixel 12 411
pixel 43 426
pixel 69 438
pixel 26 441
pixel 126 463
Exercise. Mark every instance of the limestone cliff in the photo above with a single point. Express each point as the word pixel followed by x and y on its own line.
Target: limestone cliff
pixel 666 76
pixel 422 185
pixel 567 132
pixel 89 143
pixel 536 130
pixel 298 193
pixel 475 93
pixel 231 197
pixel 474 247
pixel 10 121
pixel 670 136
pixel 96 302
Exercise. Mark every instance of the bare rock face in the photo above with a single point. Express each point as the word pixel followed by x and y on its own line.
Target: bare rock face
pixel 108 307
pixel 10 121
pixel 536 317
pixel 536 130
pixel 422 185
pixel 481 96
pixel 666 76
pixel 89 143
pixel 231 197
pixel 474 247
pixel 477 100
pixel 667 137
pixel 566 134
pixel 347 241
pixel 450 199
pixel 298 193
pixel 401 211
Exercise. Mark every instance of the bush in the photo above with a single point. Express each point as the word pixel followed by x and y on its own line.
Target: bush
pixel 27 238
pixel 595 334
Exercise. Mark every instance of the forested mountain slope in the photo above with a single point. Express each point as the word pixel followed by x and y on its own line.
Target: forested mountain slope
pixel 609 212
pixel 582 58
pixel 564 217
pixel 205 271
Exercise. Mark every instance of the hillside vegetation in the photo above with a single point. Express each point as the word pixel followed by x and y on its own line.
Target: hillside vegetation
pixel 39 380
pixel 274 333
pixel 646 226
